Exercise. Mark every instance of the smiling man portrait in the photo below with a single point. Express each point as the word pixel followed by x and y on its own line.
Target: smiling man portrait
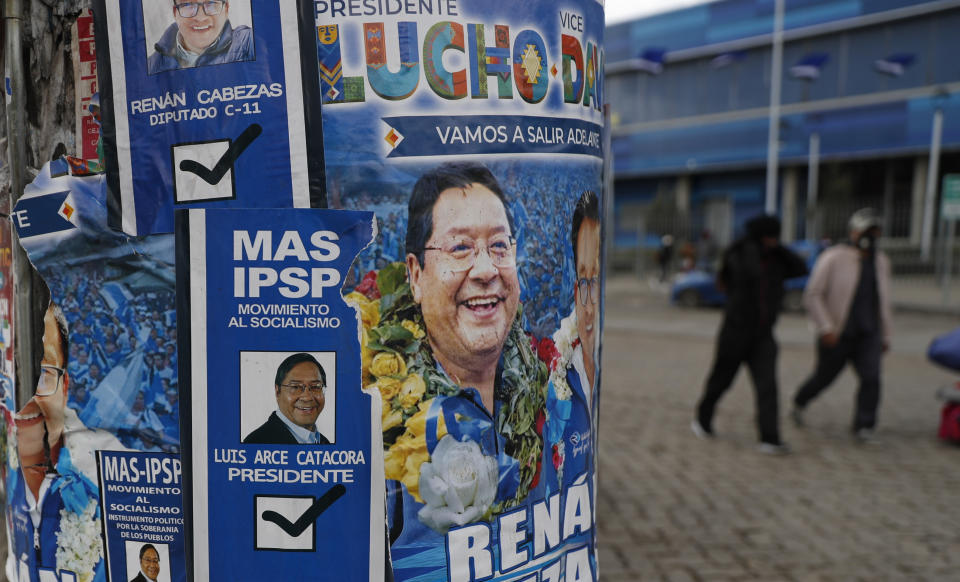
pixel 466 385
pixel 54 450
pixel 299 387
pixel 200 35
pixel 462 265
pixel 149 564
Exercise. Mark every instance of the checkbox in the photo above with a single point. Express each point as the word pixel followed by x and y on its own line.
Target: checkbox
pixel 189 186
pixel 269 536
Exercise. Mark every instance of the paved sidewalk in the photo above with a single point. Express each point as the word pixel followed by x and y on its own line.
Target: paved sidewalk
pixel 672 507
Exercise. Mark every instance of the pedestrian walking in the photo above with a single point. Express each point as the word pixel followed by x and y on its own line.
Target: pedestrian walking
pixel 665 256
pixel 752 275
pixel 848 299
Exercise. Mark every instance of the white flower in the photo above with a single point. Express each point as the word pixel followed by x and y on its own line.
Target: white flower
pixel 563 339
pixel 79 545
pixel 458 484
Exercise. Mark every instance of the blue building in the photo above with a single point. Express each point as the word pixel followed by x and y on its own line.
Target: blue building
pixel 862 83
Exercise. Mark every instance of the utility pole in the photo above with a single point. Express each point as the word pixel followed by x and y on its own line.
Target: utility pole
pixel 26 345
pixel 773 139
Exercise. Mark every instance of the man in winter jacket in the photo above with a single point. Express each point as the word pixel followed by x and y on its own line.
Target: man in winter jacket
pixel 201 35
pixel 848 299
pixel 754 269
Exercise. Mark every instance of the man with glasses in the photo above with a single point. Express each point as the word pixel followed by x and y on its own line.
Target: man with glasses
pixel 576 438
pixel 56 456
pixel 299 386
pixel 479 371
pixel 461 259
pixel 201 35
pixel 149 564
pixel 585 239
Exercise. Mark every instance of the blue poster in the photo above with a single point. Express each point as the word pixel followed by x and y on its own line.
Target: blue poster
pixel 474 130
pixel 279 438
pixel 107 374
pixel 143 525
pixel 204 104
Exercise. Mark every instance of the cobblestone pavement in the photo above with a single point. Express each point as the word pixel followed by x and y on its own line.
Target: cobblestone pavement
pixel 672 507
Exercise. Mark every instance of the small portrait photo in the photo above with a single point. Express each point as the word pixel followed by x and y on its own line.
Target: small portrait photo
pixel 288 398
pixel 181 34
pixel 147 562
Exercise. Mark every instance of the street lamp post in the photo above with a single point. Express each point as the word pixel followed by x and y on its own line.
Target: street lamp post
pixel 773 137
pixel 813 181
pixel 933 170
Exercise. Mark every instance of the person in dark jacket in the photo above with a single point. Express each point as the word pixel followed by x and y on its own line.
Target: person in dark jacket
pixel 754 269
pixel 299 385
pixel 201 35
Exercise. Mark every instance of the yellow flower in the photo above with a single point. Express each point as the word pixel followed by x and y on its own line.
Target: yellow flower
pixel 412 390
pixel 388 364
pixel 369 310
pixel 393 461
pixel 366 356
pixel 411 477
pixel 403 459
pixel 417 424
pixel 413 328
pixel 391 419
pixel 388 387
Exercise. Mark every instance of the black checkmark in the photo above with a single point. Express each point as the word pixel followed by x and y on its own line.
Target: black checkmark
pixel 225 162
pixel 311 515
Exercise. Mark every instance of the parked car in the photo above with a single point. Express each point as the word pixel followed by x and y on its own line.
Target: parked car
pixel 698 288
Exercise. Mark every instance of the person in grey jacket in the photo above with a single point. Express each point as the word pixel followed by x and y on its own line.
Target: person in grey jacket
pixel 201 35
pixel 848 299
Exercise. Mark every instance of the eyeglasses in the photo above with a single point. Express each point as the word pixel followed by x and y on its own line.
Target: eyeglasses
pixel 190 9
pixel 50 378
pixel 149 561
pixel 461 254
pixel 588 289
pixel 296 388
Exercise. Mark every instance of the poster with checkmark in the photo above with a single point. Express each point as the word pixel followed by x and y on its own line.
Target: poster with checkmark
pixel 275 489
pixel 209 173
pixel 234 128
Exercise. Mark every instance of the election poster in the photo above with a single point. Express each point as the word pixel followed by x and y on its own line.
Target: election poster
pixel 87 99
pixel 279 441
pixel 206 104
pixel 107 376
pixel 474 130
pixel 141 498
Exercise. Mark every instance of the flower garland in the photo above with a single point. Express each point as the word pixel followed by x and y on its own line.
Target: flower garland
pixel 398 361
pixel 79 542
pixel 79 545
pixel 557 353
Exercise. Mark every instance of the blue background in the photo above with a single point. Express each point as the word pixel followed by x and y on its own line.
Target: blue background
pixel 261 174
pixel 343 536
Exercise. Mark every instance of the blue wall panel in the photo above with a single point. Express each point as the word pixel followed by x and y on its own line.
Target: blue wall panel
pixel 884 129
pixel 729 20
